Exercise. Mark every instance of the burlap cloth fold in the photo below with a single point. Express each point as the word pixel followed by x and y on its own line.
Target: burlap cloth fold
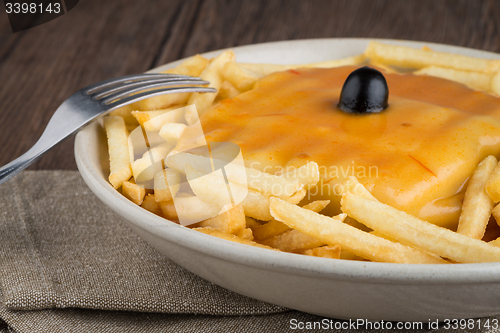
pixel 69 264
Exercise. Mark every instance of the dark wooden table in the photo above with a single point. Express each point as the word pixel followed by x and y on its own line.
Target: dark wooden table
pixel 41 67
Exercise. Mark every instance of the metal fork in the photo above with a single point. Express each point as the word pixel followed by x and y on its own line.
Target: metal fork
pixel 96 100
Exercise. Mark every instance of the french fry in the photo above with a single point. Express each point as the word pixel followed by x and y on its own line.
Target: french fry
pixel 214 190
pixel 384 67
pixel 268 184
pixel 266 69
pixel 477 205
pixel 119 158
pixel 172 132
pixel 256 205
pixel 379 234
pixel 495 84
pixel 154 120
pixel 232 220
pixel 212 74
pixel 150 204
pixel 166 184
pixel 211 188
pixel 231 237
pixel 242 79
pixel 245 233
pixel 493 185
pixel 227 90
pixel 349 61
pixel 168 210
pixel 496 213
pixel 143 116
pixel 317 206
pixel 270 229
pixel 143 168
pixel 473 80
pixel 274 228
pixel 308 175
pixel 412 231
pixel 331 252
pixel 133 192
pixel 190 209
pixel 353 186
pixel 417 58
pixel 297 197
pixel 332 231
pixel 293 241
pixel 193 66
pixel 353 223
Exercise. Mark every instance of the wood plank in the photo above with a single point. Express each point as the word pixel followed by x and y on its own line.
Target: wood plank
pixel 42 66
pixel 175 40
pixel 256 21
pixel 487 27
pixel 7 38
pixel 94 41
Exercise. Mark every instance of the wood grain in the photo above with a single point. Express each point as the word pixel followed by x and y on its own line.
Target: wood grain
pixel 41 67
pixel 455 22
pixel 46 64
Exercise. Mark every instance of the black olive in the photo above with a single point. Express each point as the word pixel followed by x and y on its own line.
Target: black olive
pixel 365 91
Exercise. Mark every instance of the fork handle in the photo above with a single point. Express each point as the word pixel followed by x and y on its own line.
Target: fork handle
pixel 22 162
pixel 56 131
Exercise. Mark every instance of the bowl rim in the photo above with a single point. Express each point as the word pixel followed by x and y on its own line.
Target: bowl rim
pixel 355 271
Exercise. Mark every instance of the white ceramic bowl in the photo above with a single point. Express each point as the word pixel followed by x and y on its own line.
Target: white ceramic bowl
pixel 333 288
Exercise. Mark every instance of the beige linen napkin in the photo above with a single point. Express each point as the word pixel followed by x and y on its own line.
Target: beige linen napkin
pixel 61 247
pixel 84 320
pixel 69 264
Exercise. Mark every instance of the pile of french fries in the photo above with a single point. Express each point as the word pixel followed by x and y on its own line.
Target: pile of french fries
pixel 269 213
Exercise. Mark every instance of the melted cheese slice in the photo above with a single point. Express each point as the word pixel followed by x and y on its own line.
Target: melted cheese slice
pixel 416 155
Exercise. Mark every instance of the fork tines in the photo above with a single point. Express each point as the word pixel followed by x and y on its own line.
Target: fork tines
pixel 127 89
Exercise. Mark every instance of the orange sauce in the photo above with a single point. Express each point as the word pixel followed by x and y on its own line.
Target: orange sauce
pixel 416 155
